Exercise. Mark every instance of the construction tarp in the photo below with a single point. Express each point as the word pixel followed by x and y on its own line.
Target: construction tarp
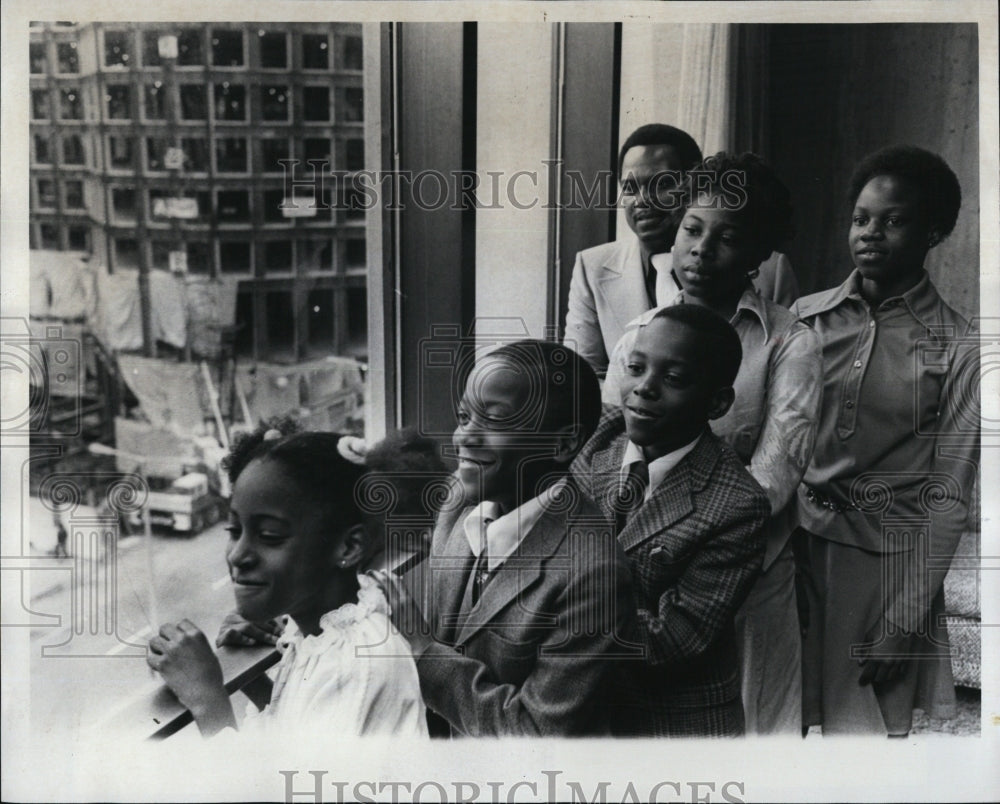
pixel 62 285
pixel 171 394
pixel 163 450
pixel 305 390
pixel 120 310
pixel 211 305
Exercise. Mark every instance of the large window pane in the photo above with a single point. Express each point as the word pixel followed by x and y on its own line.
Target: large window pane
pixel 155 101
pixel 189 47
pixel 274 103
pixel 70 104
pixel 78 238
pixel 315 52
pixel 118 98
pixel 273 50
pixel 195 154
pixel 316 103
pixel 231 155
pixel 351 55
pixel 36 57
pixel 272 151
pixel 156 150
pixel 116 49
pixel 230 101
pixel 49 235
pixel 233 206
pixel 194 102
pixel 73 153
pixel 68 58
pixel 151 48
pixel 120 151
pixel 199 257
pixel 234 257
pixel 73 194
pixel 277 256
pixel 315 256
pixel 272 206
pixel 227 48
pixel 46 193
pixel 123 202
pixel 317 149
pixel 43 155
pixel 39 104
pixel 350 105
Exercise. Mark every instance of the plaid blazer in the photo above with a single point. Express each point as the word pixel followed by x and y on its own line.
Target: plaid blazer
pixel 537 654
pixel 695 548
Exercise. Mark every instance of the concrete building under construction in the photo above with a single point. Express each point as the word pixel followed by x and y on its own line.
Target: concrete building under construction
pixel 175 162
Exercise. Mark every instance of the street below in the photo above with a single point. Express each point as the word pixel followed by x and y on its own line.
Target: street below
pixel 80 674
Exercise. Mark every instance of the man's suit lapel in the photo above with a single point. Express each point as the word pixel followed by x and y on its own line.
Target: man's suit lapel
pixel 622 284
pixel 673 499
pixel 516 575
pixel 452 561
pixel 669 503
pixel 605 476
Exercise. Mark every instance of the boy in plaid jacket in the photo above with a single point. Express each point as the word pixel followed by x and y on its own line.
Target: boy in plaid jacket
pixel 690 519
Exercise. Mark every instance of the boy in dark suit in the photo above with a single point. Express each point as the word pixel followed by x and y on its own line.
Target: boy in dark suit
pixel 515 617
pixel 690 519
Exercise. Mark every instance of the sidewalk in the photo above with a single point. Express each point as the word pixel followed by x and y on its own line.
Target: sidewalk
pixel 42 540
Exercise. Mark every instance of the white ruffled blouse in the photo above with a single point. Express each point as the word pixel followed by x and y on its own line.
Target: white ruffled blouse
pixel 357 676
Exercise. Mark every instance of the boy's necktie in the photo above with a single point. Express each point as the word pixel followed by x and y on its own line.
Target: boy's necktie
pixel 481 571
pixel 631 493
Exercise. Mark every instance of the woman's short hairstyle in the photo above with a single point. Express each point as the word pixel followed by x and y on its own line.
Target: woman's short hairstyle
pixel 940 192
pixel 752 187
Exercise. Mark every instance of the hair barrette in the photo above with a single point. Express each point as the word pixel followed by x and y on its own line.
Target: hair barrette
pixel 272 435
pixel 353 449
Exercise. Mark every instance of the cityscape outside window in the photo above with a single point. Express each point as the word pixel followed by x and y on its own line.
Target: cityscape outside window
pixel 209 145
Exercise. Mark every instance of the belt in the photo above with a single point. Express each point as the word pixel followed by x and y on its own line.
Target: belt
pixel 820 499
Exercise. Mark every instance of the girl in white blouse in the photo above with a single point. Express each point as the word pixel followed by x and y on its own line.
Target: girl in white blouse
pixel 297 539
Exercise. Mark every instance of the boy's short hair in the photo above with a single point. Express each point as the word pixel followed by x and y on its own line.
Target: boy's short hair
pixel 722 352
pixel 941 194
pixel 660 134
pixel 766 201
pixel 568 384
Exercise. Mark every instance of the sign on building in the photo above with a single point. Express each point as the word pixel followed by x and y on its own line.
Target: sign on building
pixel 174 159
pixel 178 262
pixel 293 207
pixel 167 45
pixel 186 208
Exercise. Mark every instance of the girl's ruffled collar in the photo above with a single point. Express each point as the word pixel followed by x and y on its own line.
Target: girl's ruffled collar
pixel 334 623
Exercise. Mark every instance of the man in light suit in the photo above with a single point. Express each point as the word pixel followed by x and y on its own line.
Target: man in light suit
pixel 690 519
pixel 518 617
pixel 615 282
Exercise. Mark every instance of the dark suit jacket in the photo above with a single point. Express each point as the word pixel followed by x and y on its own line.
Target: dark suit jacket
pixel 535 656
pixel 695 548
